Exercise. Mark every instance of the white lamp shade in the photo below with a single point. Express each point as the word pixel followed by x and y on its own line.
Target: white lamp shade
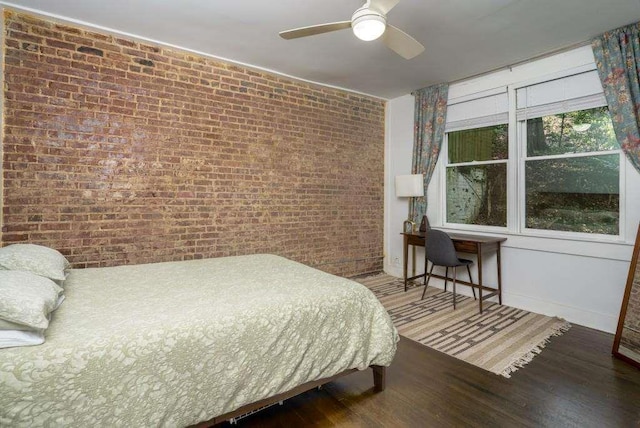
pixel 409 185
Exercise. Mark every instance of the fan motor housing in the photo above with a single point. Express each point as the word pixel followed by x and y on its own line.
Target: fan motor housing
pixel 368 24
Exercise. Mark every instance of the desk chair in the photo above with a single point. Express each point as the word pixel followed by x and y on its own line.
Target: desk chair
pixel 440 251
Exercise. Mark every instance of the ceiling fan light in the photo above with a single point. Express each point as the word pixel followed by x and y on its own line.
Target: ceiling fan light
pixel 368 27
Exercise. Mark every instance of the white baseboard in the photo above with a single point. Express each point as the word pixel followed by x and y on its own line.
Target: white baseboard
pixel 591 319
pixel 393 270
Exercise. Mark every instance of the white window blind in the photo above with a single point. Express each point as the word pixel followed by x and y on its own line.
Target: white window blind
pixel 479 112
pixel 577 92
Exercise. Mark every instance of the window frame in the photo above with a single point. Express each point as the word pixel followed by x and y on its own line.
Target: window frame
pixel 446 164
pixel 517 156
pixel 521 194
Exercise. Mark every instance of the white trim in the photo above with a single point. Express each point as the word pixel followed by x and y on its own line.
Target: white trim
pixel 578 91
pixel 513 177
pixel 478 122
pixel 572 155
pixel 566 235
pixel 443 160
pixel 463 112
pixel 571 245
pixel 582 103
pixel 476 163
pixel 534 70
pixel 521 131
pixel 475 228
pixel 576 104
pixel 622 215
pixel 516 162
pixel 577 315
pixel 554 76
pixel 444 155
pixel 477 95
pixel 574 236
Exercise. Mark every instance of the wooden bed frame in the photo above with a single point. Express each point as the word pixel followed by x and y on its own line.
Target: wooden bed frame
pixel 379 384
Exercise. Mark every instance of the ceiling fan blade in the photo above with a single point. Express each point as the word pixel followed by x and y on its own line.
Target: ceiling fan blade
pixel 314 29
pixel 401 43
pixel 383 6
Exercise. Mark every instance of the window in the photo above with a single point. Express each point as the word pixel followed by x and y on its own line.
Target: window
pixel 561 175
pixel 572 170
pixel 476 156
pixel 477 176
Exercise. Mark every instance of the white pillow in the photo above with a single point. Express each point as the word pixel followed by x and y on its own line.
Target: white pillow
pixel 27 299
pixel 11 338
pixel 43 261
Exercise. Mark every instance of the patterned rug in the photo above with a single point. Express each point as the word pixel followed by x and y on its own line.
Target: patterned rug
pixel 501 340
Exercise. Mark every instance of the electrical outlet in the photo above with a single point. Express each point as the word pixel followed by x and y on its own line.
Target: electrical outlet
pixel 396 261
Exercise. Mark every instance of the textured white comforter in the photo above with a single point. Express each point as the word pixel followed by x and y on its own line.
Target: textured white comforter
pixel 173 344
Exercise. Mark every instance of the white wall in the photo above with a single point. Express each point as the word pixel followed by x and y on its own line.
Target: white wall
pixel 581 281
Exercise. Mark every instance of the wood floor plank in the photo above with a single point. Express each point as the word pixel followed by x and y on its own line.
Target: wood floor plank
pixel 574 382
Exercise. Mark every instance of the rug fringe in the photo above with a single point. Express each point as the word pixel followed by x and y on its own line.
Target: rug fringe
pixel 558 330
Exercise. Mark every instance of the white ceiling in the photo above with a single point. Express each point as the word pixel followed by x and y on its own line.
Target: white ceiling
pixel 462 38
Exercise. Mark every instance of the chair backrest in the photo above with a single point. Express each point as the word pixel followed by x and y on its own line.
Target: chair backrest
pixel 439 248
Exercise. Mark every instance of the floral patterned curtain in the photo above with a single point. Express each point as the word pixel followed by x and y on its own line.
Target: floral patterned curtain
pixel 428 132
pixel 617 55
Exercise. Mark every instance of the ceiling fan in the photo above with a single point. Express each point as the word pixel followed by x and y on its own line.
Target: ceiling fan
pixel 369 22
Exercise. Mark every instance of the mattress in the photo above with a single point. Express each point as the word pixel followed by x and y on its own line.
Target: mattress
pixel 176 343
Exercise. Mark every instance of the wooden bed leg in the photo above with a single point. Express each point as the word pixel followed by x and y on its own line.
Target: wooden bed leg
pixel 379 378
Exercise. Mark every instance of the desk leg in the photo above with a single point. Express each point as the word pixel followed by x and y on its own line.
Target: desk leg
pixel 499 275
pixel 479 251
pixel 405 259
pixel 413 260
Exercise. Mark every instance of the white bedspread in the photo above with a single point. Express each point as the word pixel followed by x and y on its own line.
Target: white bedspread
pixel 173 344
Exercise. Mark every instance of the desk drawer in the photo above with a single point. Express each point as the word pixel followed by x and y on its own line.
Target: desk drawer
pixel 466 247
pixel 415 240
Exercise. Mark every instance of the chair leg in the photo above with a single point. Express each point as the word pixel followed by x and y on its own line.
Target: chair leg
pixel 454 288
pixel 446 277
pixel 426 282
pixel 426 266
pixel 471 281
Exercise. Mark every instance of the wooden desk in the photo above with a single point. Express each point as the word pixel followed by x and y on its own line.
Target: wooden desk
pixel 464 243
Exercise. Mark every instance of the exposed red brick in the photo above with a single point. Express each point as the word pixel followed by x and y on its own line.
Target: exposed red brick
pixel 151 154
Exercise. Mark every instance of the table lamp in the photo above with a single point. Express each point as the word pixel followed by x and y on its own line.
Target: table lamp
pixel 409 186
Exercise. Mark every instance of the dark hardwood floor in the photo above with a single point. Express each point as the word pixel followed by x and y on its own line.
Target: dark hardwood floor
pixel 574 382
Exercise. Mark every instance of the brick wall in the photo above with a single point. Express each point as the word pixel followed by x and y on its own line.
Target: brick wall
pixel 120 152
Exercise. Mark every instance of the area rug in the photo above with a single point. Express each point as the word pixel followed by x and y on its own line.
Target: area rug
pixel 501 340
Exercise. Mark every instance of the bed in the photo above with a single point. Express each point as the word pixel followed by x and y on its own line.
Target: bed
pixel 184 343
